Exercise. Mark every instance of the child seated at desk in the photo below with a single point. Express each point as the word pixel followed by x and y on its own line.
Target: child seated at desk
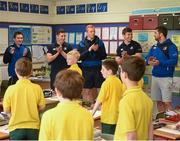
pixel 135 107
pixel 23 101
pixel 72 58
pixel 109 96
pixel 68 120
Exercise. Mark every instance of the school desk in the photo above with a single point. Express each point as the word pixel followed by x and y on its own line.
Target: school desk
pixel 163 133
pixel 167 132
pixel 4 136
pixel 42 81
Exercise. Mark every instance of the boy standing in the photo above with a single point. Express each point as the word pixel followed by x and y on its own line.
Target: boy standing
pixel 135 107
pixel 23 101
pixel 109 96
pixel 68 120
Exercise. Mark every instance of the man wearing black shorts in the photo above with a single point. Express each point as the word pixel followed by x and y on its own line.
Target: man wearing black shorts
pixel 56 55
pixel 128 47
pixel 92 52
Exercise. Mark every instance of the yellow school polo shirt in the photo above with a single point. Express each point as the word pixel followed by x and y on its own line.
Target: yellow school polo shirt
pixel 23 99
pixel 135 113
pixel 140 84
pixel 110 95
pixel 75 67
pixel 67 121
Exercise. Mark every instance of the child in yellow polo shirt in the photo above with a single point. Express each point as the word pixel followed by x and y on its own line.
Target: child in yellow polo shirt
pixel 68 120
pixel 140 84
pixel 135 107
pixel 109 96
pixel 72 58
pixel 23 101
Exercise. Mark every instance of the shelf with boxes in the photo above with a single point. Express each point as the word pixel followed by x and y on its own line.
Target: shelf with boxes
pixel 150 22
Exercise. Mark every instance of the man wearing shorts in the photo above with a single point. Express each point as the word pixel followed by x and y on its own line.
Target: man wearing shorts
pixel 163 57
pixel 92 52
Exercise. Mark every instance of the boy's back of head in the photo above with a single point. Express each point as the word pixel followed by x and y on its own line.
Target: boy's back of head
pixel 74 53
pixel 69 83
pixel 111 64
pixel 23 67
pixel 134 67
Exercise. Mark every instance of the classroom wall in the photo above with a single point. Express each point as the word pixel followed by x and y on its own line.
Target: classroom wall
pixel 118 10
pixel 19 17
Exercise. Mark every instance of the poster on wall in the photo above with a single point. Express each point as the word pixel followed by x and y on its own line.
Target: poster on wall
pixel 26 30
pixel 176 40
pixel 145 38
pixel 98 32
pixel 176 86
pixel 113 33
pixel 71 38
pixel 67 36
pixel 3 39
pixel 113 47
pixel 105 33
pixel 41 35
pixel 120 33
pixel 106 44
pixel 79 36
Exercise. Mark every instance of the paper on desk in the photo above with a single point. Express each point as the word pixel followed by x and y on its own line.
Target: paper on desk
pixel 54 98
pixel 4 129
pixel 171 131
pixel 97 114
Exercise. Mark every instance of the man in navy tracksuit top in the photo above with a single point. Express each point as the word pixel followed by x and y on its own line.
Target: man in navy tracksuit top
pixel 92 52
pixel 13 53
pixel 56 55
pixel 163 56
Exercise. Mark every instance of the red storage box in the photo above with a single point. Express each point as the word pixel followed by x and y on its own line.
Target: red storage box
pixel 150 22
pixel 136 22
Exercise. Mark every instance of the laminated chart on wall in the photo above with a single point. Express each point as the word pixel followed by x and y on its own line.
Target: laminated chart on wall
pixel 26 30
pixel 41 35
pixel 176 84
pixel 79 36
pixel 3 39
pixel 145 38
pixel 37 53
pixel 176 41
pixel 113 33
pixel 71 39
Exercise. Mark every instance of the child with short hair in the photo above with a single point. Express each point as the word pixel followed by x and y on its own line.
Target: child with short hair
pixel 135 107
pixel 68 120
pixel 23 101
pixel 72 59
pixel 109 96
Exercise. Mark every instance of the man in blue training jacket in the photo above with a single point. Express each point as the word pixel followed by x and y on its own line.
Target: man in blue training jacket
pixel 92 52
pixel 13 53
pixel 163 57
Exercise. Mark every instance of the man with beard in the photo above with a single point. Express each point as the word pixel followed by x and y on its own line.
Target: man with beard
pixel 163 57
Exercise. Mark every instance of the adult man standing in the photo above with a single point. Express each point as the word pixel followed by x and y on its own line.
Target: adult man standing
pixel 92 52
pixel 13 53
pixel 163 57
pixel 56 55
pixel 128 47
